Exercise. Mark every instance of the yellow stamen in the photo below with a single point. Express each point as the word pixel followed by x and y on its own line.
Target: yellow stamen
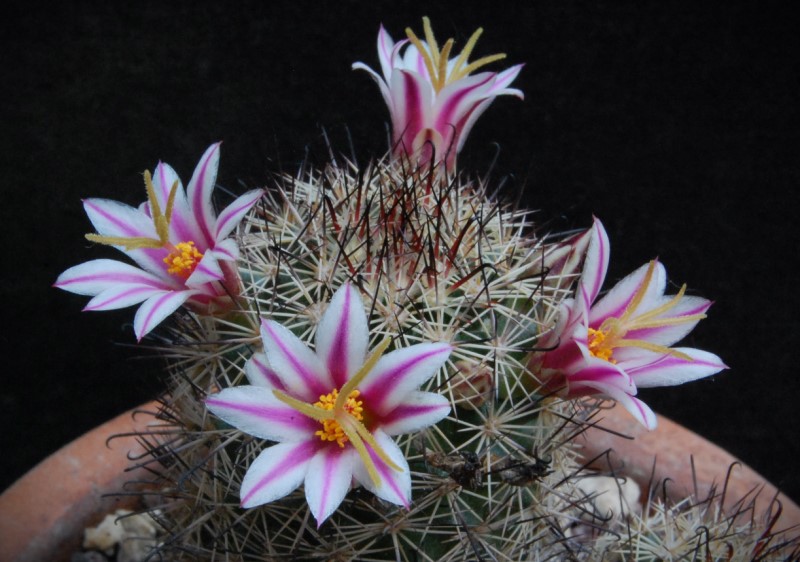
pixel 342 414
pixel 611 333
pixel 475 65
pixel 161 222
pixel 652 347
pixel 441 75
pixel 350 385
pixel 304 408
pixel 331 429
pixel 183 260
pixel 133 243
pixel 361 449
pixel 370 439
pixel 183 257
pixel 436 60
pixel 597 348
pixel 430 38
pixel 461 61
pixel 428 58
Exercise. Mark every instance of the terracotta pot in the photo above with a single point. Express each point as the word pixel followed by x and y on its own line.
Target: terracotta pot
pixel 668 452
pixel 44 513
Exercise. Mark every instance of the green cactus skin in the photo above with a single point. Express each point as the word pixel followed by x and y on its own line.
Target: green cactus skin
pixel 436 259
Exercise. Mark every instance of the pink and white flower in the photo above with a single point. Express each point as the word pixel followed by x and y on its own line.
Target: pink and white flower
pixel 333 411
pixel 434 100
pixel 180 245
pixel 621 342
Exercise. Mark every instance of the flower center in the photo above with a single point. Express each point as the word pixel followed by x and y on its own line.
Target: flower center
pixel 331 430
pixel 436 61
pixel 611 333
pixel 599 347
pixel 183 259
pixel 342 418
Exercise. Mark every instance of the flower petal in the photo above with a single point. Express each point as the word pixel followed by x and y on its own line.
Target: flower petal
pixel 616 301
pixel 412 97
pixel 562 259
pixel 256 411
pixel 276 472
pixel 417 411
pixel 155 309
pixel 669 334
pixel 400 372
pixel 226 250
pixel 343 335
pixel 121 296
pixel 259 373
pixel 182 226
pixel 468 120
pixel 599 375
pixel 95 276
pixel 504 79
pixel 303 374
pixel 206 271
pixel 459 98
pixel 596 263
pixel 638 409
pixel 394 486
pixel 386 51
pixel 112 218
pixel 199 192
pixel 384 88
pixel 232 215
pixel 429 144
pixel 669 370
pixel 328 480
pixel 438 112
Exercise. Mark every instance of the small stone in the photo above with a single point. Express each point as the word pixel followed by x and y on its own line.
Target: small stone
pixel 106 535
pixel 607 503
pixel 135 534
pixel 139 539
pixel 612 498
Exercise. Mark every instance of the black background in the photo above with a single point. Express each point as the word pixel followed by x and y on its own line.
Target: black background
pixel 675 124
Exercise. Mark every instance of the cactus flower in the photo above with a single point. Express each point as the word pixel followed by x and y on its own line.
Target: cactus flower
pixel 181 246
pixel 332 412
pixel 435 100
pixel 622 342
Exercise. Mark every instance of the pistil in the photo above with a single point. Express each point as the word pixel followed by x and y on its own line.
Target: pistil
pixel 160 221
pixel 341 415
pixel 611 333
pixel 183 257
pixel 436 61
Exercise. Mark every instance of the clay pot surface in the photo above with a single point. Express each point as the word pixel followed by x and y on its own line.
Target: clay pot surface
pixel 44 513
pixel 687 462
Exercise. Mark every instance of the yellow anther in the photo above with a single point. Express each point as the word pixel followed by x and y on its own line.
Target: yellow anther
pixel 598 346
pixel 331 429
pixel 436 61
pixel 183 260
pixel 342 416
pixel 611 333
pixel 160 221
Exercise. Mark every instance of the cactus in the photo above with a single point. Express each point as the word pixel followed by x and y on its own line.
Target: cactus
pixel 499 478
pixel 435 258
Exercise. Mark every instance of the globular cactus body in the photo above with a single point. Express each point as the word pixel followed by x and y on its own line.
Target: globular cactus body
pixel 435 259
